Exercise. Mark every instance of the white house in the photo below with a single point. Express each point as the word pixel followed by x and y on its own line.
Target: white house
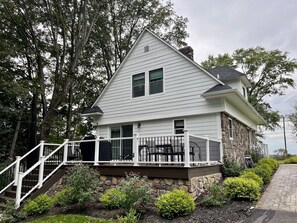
pixel 158 90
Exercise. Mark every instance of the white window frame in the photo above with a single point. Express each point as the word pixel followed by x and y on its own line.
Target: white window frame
pixel 173 124
pixel 230 128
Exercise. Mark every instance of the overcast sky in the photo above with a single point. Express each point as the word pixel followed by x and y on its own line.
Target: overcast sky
pixel 217 27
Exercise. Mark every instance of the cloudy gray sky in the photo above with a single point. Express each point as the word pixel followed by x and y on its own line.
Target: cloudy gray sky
pixel 217 26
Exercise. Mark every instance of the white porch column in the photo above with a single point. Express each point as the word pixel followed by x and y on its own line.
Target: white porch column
pixel 221 151
pixel 41 148
pixel 187 147
pixel 96 155
pixel 207 150
pixel 41 171
pixel 65 156
pixel 135 149
pixel 16 171
pixel 19 190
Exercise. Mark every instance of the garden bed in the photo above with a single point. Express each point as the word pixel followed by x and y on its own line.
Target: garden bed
pixel 231 212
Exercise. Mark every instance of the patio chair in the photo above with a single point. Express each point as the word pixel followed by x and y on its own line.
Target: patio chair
pixel 178 149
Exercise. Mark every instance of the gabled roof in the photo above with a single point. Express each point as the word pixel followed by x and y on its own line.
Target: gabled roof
pixel 92 111
pixel 226 73
pixel 218 87
pixel 167 44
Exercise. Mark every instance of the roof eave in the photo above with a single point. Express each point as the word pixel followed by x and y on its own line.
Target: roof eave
pixel 225 93
pixel 91 114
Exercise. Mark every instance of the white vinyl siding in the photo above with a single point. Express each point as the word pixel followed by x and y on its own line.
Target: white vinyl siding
pixel 183 84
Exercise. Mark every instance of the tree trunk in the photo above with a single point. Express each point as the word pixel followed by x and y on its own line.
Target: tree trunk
pixel 15 137
pixel 32 138
pixel 69 113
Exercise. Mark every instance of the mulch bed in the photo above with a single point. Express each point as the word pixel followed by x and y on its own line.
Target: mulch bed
pixel 232 212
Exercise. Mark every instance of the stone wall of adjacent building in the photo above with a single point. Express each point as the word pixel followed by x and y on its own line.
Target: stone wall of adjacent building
pixel 195 186
pixel 243 138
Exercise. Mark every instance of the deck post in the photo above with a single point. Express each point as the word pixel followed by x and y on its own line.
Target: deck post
pixel 96 155
pixel 41 171
pixel 65 156
pixel 207 150
pixel 187 148
pixel 41 149
pixel 221 151
pixel 19 190
pixel 17 169
pixel 135 149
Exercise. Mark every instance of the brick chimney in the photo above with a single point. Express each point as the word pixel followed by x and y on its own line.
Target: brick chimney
pixel 187 51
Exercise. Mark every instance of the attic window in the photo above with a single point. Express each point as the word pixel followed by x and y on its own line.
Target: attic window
pixel 146 49
pixel 138 83
pixel 156 81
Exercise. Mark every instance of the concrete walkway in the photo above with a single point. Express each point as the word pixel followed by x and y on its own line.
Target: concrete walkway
pixel 279 202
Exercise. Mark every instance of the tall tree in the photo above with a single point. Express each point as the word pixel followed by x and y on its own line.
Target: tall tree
pixel 293 119
pixel 270 73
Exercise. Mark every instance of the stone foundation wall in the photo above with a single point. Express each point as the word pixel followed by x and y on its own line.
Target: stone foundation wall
pixel 243 138
pixel 195 186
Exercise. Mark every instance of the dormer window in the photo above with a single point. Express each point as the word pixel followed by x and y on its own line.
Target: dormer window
pixel 156 81
pixel 138 85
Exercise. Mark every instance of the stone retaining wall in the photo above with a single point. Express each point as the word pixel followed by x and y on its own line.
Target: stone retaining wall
pixel 195 186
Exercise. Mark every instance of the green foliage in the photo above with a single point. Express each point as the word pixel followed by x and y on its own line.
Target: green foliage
pixel 9 214
pixel 271 162
pixel 231 168
pixel 131 217
pixel 291 160
pixel 261 172
pixel 242 189
pixel 70 218
pixel 216 196
pixel 253 176
pixel 39 205
pixel 256 155
pixel 175 203
pixel 270 73
pixel 61 198
pixel 264 166
pixel 82 182
pixel 293 119
pixel 138 191
pixel 113 198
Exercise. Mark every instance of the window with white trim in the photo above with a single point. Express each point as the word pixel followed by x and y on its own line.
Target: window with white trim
pixel 138 85
pixel 230 128
pixel 179 126
pixel 156 81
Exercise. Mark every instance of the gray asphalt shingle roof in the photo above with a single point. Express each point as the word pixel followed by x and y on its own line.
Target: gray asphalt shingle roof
pixel 92 110
pixel 218 87
pixel 225 73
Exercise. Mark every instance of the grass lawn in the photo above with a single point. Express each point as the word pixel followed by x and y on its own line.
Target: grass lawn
pixel 70 218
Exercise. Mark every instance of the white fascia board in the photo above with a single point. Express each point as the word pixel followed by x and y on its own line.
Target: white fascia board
pixel 246 81
pixel 235 92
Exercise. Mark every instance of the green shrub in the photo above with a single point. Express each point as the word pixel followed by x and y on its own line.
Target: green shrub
pixel 138 191
pixel 10 214
pixel 81 182
pixel 61 198
pixel 253 176
pixel 175 203
pixel 216 196
pixel 39 205
pixel 271 162
pixel 113 198
pixel 263 173
pixel 264 166
pixel 240 188
pixel 131 217
pixel 291 160
pixel 231 168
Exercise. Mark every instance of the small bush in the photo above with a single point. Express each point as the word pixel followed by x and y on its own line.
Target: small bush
pixel 113 198
pixel 131 217
pixel 175 203
pixel 265 166
pixel 62 197
pixel 263 173
pixel 231 168
pixel 271 162
pixel 39 205
pixel 253 176
pixel 10 214
pixel 216 196
pixel 291 160
pixel 81 182
pixel 138 191
pixel 240 188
